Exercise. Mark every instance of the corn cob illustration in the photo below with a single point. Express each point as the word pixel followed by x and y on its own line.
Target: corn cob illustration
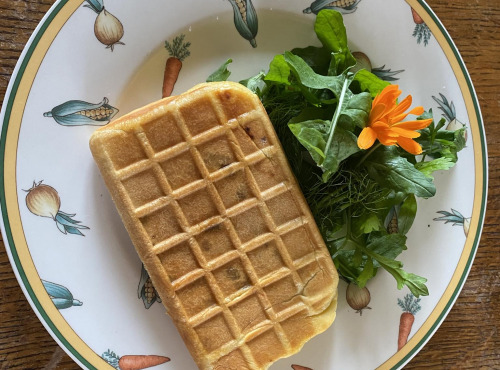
pixel 107 28
pixel 449 112
pixel 342 6
pixel 456 218
pixel 60 295
pixel 44 201
pixel 392 226
pixel 78 113
pixel 146 291
pixel 245 20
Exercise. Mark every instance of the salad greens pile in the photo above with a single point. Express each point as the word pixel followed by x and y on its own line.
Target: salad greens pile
pixel 363 201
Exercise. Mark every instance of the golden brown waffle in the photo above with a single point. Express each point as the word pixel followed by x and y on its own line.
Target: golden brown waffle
pixel 212 207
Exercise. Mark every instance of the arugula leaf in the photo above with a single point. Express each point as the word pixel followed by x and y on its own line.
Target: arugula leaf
pixel 389 246
pixel 368 82
pixel 442 163
pixel 316 58
pixel 221 74
pixel 330 29
pixel 255 83
pixel 415 283
pixel 389 169
pixel 279 71
pixel 407 214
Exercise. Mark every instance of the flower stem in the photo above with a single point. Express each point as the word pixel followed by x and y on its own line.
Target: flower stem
pixel 368 154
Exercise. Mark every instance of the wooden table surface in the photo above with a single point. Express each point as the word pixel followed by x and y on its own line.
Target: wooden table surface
pixel 468 338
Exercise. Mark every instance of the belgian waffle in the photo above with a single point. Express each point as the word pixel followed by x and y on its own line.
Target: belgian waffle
pixel 211 205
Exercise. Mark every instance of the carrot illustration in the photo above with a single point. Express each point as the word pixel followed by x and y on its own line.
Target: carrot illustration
pixel 410 306
pixel 178 51
pixel 416 18
pixel 133 362
pixel 298 367
pixel 421 31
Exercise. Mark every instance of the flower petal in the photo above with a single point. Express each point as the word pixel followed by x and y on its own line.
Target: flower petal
pixel 387 137
pixel 405 133
pixel 377 112
pixel 414 125
pixel 411 146
pixel 388 90
pixel 403 105
pixel 367 138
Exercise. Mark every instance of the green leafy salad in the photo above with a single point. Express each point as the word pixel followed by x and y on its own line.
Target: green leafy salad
pixel 359 164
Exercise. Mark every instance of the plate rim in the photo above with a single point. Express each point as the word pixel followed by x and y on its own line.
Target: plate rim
pixel 456 283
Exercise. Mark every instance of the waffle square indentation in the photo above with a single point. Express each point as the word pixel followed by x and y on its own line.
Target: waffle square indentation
pixel 297 328
pixel 231 277
pixel 257 133
pixel 248 313
pixel 298 242
pixel 233 189
pixel 161 224
pixel 121 154
pixel 249 224
pixel 199 116
pixel 233 360
pixel 283 208
pixel 214 333
pixel 217 153
pixel 196 296
pixel 234 103
pixel 162 133
pixel 181 170
pixel 247 146
pixel 214 242
pixel 198 206
pixel 266 258
pixel 135 185
pixel 281 293
pixel 266 347
pixel 178 261
pixel 267 174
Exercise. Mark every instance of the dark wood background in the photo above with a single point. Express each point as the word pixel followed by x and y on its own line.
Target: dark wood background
pixel 468 338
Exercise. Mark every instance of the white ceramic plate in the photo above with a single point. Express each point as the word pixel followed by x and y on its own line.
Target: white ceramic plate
pixel 98 275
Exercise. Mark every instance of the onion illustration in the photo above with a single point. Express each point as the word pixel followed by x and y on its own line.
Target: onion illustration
pixel 358 298
pixel 43 200
pixel 107 28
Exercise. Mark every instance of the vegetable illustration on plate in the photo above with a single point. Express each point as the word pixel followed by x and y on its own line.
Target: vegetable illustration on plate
pixel 449 112
pixel 60 295
pixel 133 362
pixel 146 291
pixel 456 218
pixel 107 28
pixel 363 62
pixel 245 20
pixel 299 367
pixel 79 113
pixel 43 200
pixel 178 51
pixel 421 31
pixel 410 306
pixel 358 298
pixel 342 6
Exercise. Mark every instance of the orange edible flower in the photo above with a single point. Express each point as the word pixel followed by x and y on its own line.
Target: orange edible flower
pixel 385 122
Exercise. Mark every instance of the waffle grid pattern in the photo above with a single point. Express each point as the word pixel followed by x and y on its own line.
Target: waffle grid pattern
pixel 228 281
